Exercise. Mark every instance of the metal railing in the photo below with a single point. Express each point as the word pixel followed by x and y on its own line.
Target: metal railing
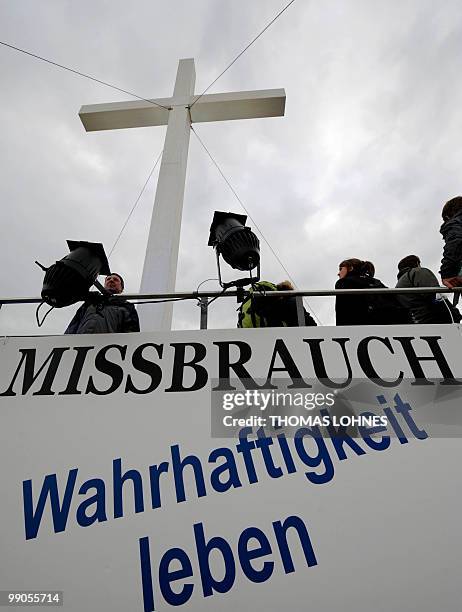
pixel 205 297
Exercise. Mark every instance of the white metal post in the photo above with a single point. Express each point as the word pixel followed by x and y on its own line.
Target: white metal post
pixel 159 271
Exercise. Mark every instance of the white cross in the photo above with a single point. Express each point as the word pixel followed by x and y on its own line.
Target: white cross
pixel 160 264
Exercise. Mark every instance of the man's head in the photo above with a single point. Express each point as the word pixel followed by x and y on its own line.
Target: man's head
pixel 452 208
pixel 411 261
pixel 114 283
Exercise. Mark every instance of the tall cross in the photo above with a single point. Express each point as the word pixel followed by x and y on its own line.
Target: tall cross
pixel 177 112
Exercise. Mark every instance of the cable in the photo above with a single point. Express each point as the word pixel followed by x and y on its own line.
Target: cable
pixel 447 304
pixel 217 296
pixel 130 93
pixel 82 74
pixel 243 51
pixel 205 281
pixel 37 311
pixel 135 204
pixel 252 283
pixel 252 219
pixel 208 302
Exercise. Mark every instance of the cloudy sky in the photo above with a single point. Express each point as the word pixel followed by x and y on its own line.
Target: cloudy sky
pixel 367 153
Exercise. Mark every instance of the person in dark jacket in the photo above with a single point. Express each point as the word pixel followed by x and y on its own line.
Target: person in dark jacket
pixel 286 307
pixel 353 274
pixel 451 231
pixel 365 309
pixel 423 307
pixel 103 314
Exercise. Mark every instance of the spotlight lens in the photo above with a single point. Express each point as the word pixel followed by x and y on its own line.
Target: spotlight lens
pixel 241 249
pixel 237 244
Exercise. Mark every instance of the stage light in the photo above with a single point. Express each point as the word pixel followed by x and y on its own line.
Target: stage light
pixel 68 280
pixel 237 244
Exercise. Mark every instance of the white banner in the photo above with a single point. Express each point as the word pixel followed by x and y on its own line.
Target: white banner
pixel 114 492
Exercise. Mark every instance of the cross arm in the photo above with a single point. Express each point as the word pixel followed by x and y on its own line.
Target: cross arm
pixel 210 107
pixel 118 115
pixel 238 105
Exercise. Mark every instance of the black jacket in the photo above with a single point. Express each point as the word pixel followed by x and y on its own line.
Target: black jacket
pixel 421 305
pixel 352 309
pixel 452 253
pixel 279 312
pixel 103 315
pixel 286 310
pixel 367 309
pixel 425 307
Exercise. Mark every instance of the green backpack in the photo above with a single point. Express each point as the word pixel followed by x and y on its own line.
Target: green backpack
pixel 255 311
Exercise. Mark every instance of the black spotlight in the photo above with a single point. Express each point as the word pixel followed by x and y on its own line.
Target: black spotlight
pixel 69 279
pixel 237 244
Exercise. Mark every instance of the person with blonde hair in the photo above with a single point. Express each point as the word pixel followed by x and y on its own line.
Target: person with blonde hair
pixel 285 285
pixel 286 307
pixel 260 311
